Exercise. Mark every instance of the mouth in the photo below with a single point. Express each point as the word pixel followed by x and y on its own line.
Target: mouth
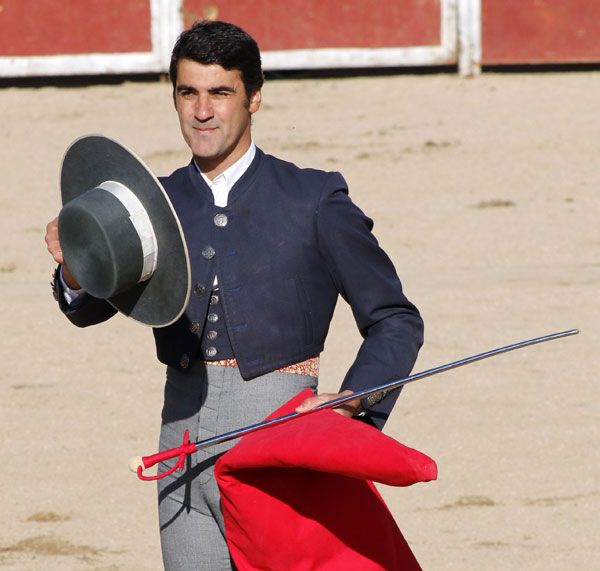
pixel 204 130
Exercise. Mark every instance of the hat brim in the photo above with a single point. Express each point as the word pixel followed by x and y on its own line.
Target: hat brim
pixel 160 300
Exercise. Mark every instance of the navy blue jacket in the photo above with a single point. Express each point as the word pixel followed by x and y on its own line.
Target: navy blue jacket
pixel 293 241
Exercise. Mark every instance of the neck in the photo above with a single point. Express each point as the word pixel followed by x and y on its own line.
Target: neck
pixel 212 167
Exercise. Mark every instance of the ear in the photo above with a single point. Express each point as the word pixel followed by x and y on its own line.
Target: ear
pixel 254 101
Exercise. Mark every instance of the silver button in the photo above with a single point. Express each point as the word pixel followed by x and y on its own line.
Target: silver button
pixel 194 326
pixel 214 299
pixel 211 335
pixel 199 289
pixel 208 252
pixel 184 361
pixel 220 220
pixel 210 351
pixel 213 317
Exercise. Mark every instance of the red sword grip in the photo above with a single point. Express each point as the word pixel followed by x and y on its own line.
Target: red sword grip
pixel 182 451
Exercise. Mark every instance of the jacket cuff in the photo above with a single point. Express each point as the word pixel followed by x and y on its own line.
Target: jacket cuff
pixel 59 294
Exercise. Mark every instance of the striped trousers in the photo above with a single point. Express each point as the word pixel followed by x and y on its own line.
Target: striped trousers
pixel 208 400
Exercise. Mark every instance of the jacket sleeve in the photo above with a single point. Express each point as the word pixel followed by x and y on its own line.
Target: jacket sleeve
pixel 391 326
pixel 82 312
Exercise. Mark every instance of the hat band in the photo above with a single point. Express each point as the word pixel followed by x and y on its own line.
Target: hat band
pixel 141 222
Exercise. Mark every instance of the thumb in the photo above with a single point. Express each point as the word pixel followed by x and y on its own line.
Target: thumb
pixel 308 404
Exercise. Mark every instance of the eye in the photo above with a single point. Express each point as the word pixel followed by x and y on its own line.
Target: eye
pixel 221 92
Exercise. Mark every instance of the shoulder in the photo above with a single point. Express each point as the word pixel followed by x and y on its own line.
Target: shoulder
pixel 309 180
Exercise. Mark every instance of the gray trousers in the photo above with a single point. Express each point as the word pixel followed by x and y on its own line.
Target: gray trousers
pixel 208 400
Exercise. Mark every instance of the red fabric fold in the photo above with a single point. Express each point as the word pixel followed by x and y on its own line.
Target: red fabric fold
pixel 299 496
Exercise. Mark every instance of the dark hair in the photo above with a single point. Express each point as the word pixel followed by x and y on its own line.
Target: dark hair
pixel 212 42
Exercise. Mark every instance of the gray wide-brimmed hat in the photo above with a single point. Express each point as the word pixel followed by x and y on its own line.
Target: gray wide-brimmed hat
pixel 119 233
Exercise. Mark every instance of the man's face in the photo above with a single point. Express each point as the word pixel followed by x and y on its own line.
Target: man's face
pixel 214 114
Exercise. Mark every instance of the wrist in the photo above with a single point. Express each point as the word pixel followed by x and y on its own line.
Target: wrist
pixel 68 278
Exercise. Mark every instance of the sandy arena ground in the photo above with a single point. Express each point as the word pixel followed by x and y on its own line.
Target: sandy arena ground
pixel 486 194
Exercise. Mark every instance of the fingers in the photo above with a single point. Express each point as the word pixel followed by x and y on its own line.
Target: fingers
pixel 55 250
pixel 346 409
pixel 52 242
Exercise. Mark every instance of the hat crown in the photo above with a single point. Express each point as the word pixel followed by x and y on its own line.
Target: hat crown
pixel 102 247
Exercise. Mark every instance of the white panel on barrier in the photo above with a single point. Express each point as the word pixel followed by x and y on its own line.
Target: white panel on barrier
pixel 469 37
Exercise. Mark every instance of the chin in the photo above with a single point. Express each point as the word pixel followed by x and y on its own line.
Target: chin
pixel 203 153
pixel 205 156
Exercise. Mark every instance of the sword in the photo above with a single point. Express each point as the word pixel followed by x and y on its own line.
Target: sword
pixel 140 463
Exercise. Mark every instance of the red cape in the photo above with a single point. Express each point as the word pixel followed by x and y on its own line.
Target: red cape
pixel 299 496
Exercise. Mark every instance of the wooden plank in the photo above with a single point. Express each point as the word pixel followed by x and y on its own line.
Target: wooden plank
pixel 540 31
pixel 309 24
pixel 51 27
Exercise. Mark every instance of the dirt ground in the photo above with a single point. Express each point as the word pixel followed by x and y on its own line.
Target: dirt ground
pixel 485 192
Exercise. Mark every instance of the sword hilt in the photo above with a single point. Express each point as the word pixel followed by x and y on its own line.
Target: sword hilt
pixel 140 463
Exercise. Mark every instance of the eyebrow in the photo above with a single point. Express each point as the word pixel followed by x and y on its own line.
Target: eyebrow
pixel 222 88
pixel 216 89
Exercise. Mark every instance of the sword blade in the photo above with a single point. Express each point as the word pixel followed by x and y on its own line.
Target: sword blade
pixel 226 437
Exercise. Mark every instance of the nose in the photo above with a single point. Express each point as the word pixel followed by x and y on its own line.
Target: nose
pixel 203 110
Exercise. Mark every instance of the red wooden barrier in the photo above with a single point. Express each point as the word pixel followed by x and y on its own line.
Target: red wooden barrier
pixel 300 24
pixel 59 27
pixel 540 31
pixel 70 37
